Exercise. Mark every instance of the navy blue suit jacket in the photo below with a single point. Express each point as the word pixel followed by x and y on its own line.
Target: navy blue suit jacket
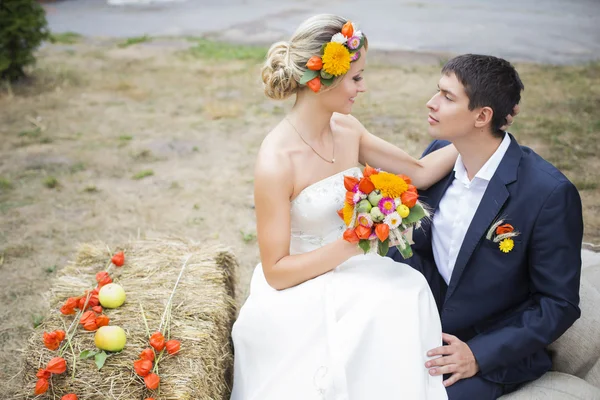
pixel 509 306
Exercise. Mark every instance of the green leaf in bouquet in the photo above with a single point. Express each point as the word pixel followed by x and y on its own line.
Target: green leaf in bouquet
pixel 383 247
pixel 87 354
pixel 309 75
pixel 100 358
pixel 416 213
pixel 365 245
pixel 406 252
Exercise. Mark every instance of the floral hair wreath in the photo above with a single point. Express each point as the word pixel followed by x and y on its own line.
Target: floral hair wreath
pixel 335 58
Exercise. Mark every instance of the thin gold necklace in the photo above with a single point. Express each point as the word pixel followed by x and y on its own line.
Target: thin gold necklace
pixel 323 158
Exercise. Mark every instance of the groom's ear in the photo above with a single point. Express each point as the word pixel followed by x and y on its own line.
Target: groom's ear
pixel 484 117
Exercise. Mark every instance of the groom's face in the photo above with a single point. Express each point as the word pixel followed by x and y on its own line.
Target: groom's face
pixel 449 115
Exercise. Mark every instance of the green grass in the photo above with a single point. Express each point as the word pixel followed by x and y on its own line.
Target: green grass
pixel 125 138
pixel 65 38
pixel 248 237
pixel 37 320
pixel 134 40
pixel 222 51
pixel 143 174
pixel 51 182
pixel 31 134
pixel 5 184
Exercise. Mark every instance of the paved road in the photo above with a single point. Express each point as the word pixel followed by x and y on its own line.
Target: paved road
pixel 548 31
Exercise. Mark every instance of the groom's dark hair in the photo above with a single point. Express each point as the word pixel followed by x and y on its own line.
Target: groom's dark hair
pixel 489 82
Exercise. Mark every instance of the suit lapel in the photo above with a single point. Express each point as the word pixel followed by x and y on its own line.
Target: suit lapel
pixel 492 202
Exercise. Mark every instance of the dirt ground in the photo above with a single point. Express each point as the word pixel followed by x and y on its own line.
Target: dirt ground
pixel 147 138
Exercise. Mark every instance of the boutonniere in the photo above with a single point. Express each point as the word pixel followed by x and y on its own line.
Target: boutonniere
pixel 502 234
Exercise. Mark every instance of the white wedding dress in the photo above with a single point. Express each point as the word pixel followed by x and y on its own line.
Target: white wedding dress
pixel 358 332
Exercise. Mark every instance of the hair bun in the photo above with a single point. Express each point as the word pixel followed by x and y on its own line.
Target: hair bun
pixel 278 73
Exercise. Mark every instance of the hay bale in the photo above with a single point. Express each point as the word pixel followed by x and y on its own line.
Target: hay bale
pixel 203 312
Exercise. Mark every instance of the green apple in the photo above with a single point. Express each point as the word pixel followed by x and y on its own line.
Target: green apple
pixel 111 295
pixel 110 338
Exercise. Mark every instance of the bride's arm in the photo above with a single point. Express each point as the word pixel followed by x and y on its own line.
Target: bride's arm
pixel 423 173
pixel 272 190
pixel 381 154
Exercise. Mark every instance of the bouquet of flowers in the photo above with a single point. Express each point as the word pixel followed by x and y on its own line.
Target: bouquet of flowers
pixel 379 209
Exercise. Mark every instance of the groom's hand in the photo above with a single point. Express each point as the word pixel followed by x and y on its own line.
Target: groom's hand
pixel 457 359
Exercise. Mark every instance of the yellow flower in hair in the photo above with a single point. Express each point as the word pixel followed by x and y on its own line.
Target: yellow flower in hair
pixel 390 185
pixel 336 59
pixel 507 245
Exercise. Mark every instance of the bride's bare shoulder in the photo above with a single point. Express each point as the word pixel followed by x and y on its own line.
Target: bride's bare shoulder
pixel 273 159
pixel 347 124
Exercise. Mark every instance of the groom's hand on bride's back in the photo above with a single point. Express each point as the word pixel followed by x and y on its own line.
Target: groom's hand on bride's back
pixel 457 359
pixel 510 117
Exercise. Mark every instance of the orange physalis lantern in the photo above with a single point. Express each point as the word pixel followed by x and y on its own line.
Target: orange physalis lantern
pixel 368 171
pixel 118 259
pixel 43 374
pixel 350 182
pixel 69 396
pixel 57 365
pixel 142 367
pixel 502 229
pixel 382 231
pixel 103 278
pixel 409 199
pixel 69 307
pixel 157 340
pixel 87 316
pixel 350 236
pixel 41 386
pixel 314 84
pixel 52 340
pixel 348 29
pixel 173 346
pixel 147 354
pixel 102 320
pixel 366 186
pixel 406 179
pixel 315 63
pixel 152 381
pixel 363 232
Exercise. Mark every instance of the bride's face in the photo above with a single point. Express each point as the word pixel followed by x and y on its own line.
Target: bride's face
pixel 341 98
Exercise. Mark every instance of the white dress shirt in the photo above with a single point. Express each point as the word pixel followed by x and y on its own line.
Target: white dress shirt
pixel 457 209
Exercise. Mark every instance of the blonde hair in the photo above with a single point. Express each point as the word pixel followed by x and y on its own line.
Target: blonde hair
pixel 286 61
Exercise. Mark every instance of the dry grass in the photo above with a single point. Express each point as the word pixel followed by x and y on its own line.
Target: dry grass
pixel 203 310
pixel 194 114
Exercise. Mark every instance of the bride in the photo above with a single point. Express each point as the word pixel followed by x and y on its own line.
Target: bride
pixel 324 321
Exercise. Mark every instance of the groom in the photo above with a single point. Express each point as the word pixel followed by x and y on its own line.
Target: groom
pixel 503 252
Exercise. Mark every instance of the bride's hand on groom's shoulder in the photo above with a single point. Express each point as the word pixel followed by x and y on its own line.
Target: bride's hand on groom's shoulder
pixel 457 359
pixel 510 117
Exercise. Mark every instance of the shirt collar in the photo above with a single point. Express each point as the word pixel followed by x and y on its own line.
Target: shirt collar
pixel 489 168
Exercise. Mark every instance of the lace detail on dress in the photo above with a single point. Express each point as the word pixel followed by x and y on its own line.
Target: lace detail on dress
pixel 314 218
